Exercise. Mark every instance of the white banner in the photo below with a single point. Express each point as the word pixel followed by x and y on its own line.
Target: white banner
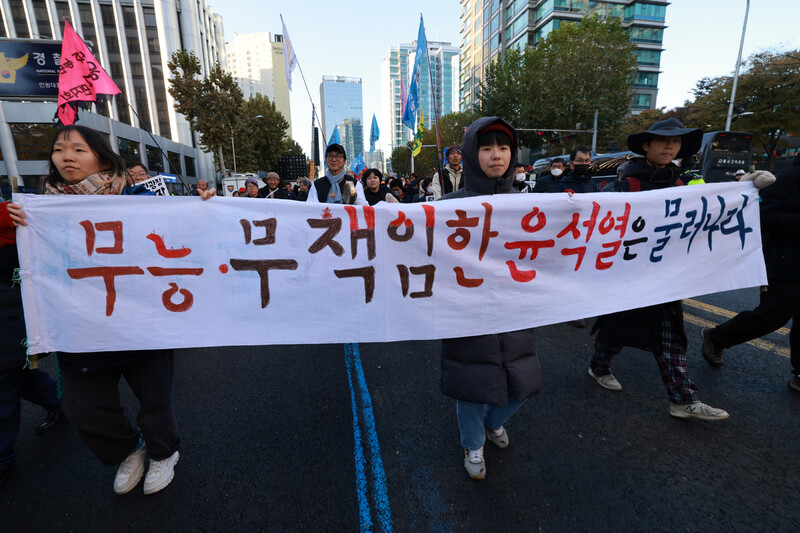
pixel 121 273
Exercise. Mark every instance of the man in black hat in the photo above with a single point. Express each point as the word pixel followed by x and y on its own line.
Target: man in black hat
pixel 658 328
pixel 451 174
pixel 336 187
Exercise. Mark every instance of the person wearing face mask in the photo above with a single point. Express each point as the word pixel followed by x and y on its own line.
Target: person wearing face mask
pixel 425 191
pixel 396 186
pixel 658 328
pixel 578 179
pixel 547 181
pixel 520 177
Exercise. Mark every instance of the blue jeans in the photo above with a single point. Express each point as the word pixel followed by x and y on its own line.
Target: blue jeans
pixel 474 417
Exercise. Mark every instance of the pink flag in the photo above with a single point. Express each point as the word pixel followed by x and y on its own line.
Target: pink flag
pixel 81 78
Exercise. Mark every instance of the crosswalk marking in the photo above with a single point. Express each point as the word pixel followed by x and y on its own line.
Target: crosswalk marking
pixel 758 343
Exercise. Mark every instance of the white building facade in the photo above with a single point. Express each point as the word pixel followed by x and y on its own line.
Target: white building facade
pixel 256 62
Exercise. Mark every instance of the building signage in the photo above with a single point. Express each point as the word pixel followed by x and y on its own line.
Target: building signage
pixel 29 68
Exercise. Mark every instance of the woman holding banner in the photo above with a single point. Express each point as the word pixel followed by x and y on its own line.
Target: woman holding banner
pixel 82 162
pixel 489 376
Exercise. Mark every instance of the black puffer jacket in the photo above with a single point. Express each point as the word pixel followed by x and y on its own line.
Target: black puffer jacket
pixel 642 327
pixel 489 368
pixel 780 224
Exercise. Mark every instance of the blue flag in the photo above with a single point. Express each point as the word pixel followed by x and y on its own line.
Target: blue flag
pixel 374 134
pixel 335 139
pixel 358 166
pixel 412 101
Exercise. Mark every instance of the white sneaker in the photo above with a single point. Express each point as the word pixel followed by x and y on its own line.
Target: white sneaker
pixel 697 410
pixel 160 474
pixel 130 470
pixel 474 463
pixel 607 381
pixel 498 436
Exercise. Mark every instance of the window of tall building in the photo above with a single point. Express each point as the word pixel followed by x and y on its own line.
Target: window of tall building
pixel 62 11
pixel 42 15
pixel 19 19
pixel 646 79
pixel 32 141
pixel 520 24
pixel 87 23
pixel 644 11
pixel 155 161
pixel 647 35
pixel 107 22
pixel 157 71
pixel 189 163
pixel 137 70
pixel 641 101
pixel 494 24
pixel 649 58
pixel 543 10
pixel 129 150
pixel 174 161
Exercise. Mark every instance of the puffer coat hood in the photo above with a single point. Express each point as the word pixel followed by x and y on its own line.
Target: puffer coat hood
pixel 476 182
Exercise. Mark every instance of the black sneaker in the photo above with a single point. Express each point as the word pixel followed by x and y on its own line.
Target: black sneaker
pixel 795 383
pixel 53 417
pixel 712 352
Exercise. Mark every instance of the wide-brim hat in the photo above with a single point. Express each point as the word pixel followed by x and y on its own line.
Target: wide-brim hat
pixel 691 138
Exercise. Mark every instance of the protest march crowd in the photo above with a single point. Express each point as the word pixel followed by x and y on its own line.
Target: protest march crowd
pixel 489 376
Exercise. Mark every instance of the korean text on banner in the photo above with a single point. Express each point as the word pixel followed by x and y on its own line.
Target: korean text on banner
pixel 480 265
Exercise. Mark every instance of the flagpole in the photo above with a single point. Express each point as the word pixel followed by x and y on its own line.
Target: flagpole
pixel 433 99
pixel 321 125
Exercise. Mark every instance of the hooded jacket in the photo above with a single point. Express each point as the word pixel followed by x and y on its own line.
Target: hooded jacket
pixel 780 224
pixel 489 368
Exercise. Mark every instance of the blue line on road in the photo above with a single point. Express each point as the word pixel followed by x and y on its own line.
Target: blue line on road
pixel 361 403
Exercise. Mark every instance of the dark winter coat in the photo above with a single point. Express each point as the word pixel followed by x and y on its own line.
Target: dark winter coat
pixel 642 327
pixel 780 224
pixel 489 368
pixel 574 183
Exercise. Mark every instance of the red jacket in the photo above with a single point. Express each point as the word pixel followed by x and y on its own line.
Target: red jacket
pixel 8 233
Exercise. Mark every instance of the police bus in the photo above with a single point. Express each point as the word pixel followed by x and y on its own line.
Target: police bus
pixel 723 153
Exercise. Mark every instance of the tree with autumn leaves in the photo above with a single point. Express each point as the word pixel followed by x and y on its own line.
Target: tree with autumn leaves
pixel 216 109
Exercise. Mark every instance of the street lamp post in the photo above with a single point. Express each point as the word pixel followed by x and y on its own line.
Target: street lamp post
pixel 736 74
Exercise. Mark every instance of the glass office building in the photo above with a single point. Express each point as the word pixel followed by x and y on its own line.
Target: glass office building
pixel 396 68
pixel 342 106
pixel 489 27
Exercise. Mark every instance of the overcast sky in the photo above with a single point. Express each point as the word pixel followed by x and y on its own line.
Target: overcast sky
pixel 351 38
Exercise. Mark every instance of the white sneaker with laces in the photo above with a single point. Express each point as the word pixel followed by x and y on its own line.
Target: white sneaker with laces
pixel 607 381
pixel 697 410
pixel 160 474
pixel 498 436
pixel 474 463
pixel 130 470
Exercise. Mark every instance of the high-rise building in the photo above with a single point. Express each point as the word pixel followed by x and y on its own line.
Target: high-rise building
pixel 133 41
pixel 342 106
pixel 255 60
pixel 396 68
pixel 491 27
